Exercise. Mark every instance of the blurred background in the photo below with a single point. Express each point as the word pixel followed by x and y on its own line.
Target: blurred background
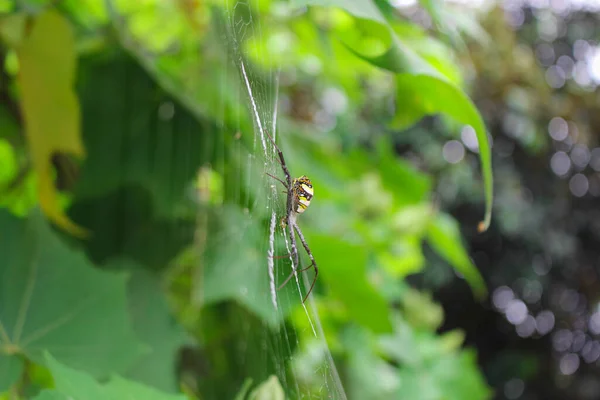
pixel 140 232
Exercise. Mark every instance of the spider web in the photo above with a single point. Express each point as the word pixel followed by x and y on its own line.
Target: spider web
pixel 262 96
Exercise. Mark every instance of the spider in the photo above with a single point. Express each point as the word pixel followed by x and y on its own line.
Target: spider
pixel 299 195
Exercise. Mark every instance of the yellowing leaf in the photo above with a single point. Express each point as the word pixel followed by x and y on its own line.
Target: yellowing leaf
pixel 50 106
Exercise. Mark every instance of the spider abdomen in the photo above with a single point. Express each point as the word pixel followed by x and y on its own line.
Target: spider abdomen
pixel 303 193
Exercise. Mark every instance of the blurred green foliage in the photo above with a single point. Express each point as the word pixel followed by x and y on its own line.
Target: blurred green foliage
pixel 171 290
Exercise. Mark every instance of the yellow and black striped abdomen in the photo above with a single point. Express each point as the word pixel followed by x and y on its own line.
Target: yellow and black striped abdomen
pixel 303 193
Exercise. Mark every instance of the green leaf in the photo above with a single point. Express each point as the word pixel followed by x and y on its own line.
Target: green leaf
pixel 445 238
pixel 420 95
pixel 421 88
pixel 50 107
pixel 11 368
pixel 79 386
pixel 51 298
pixel 268 390
pixel 344 270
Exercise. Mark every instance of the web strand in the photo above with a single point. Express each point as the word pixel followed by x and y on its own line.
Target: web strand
pixel 263 103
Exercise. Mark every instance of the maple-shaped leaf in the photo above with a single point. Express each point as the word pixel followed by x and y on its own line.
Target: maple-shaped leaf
pixel 52 299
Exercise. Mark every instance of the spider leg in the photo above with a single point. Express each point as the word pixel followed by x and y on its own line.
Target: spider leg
pixel 293 255
pixel 274 177
pixel 280 257
pixel 288 177
pixel 293 242
pixel 312 260
pixel 292 274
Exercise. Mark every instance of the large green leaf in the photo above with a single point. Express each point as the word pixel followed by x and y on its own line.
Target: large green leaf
pixel 76 385
pixel 51 298
pixel 445 238
pixel 422 88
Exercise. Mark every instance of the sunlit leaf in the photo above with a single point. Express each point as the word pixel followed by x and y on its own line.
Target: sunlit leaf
pixel 51 298
pixel 422 88
pixel 445 238
pixel 268 390
pixel 50 107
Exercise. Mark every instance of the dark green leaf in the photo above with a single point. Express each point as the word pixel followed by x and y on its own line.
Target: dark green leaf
pixel 141 136
pixel 125 224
